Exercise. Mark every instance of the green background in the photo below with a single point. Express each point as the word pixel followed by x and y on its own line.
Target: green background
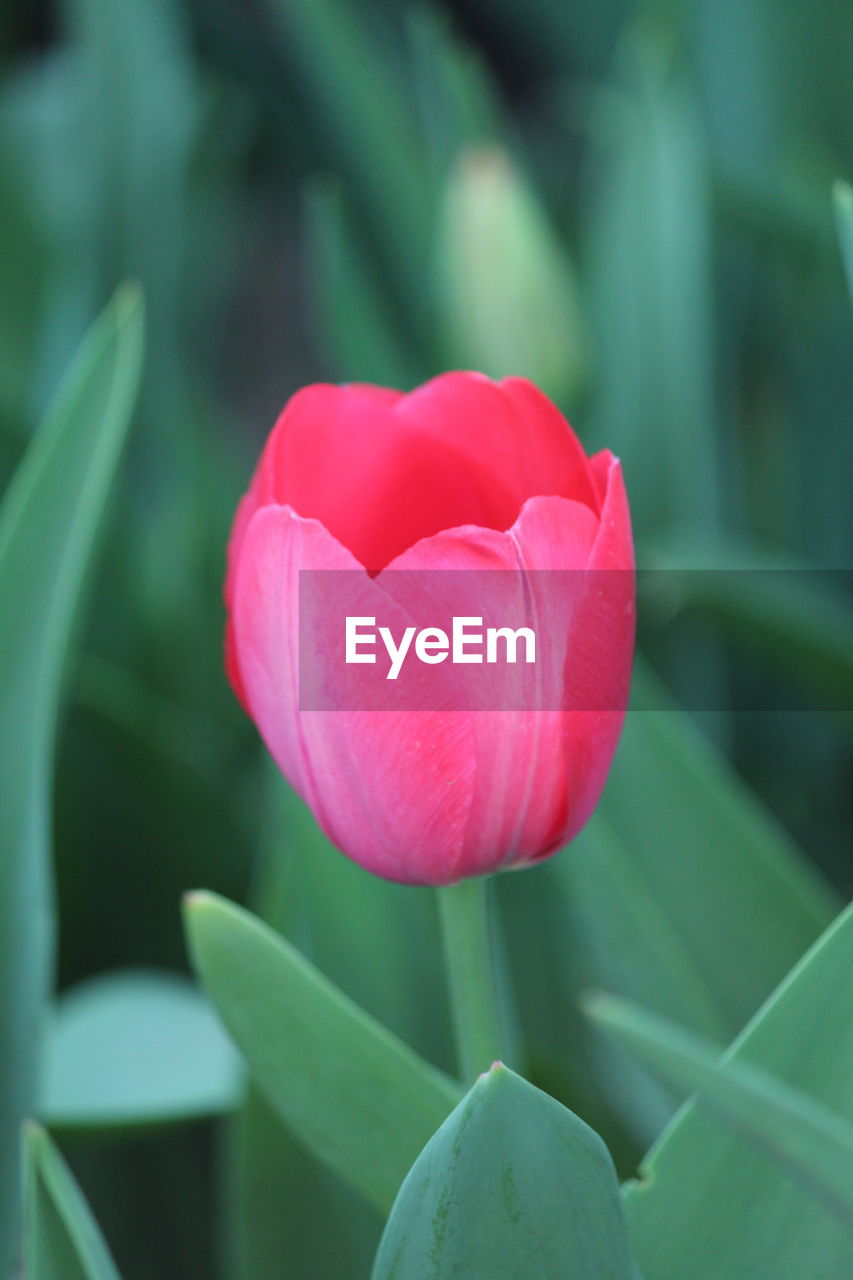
pixel 630 204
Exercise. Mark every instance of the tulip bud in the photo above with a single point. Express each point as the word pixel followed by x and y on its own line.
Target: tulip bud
pixel 508 293
pixel 381 537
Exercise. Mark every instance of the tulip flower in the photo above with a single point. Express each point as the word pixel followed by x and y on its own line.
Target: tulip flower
pixel 462 474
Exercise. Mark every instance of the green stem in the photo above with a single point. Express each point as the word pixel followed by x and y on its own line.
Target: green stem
pixel 468 952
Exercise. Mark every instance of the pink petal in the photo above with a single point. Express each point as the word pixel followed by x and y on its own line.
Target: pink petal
pixel 371 475
pixel 508 430
pixel 382 470
pixel 598 672
pixel 390 788
pixel 520 796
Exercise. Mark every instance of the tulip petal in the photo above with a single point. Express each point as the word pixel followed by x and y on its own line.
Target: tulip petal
pixel 459 450
pixel 553 540
pixel 391 788
pixel 391 483
pixel 508 429
pixel 520 794
pixel 597 680
pixel 246 508
pixel 544 431
pixel 501 734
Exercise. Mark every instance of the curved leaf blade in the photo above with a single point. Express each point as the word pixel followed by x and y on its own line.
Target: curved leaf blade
pixel 700 1172
pixel 721 869
pixel 842 195
pixel 357 1096
pixel 48 528
pixel 63 1238
pixel 513 1184
pixel 810 1141
pixel 136 1047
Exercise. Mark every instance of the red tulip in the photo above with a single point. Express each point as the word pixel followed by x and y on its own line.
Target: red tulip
pixel 462 473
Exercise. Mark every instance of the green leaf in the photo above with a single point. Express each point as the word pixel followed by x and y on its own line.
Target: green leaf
pixel 136 1048
pixel 621 936
pixel 659 899
pixel 512 1185
pixel 48 526
pixel 378 942
pixel 721 870
pixel 648 239
pixel 456 99
pixel 63 1239
pixel 269 1168
pixel 793 614
pixel 138 153
pixel 350 1090
pixel 842 195
pixel 369 125
pixel 809 1141
pixel 344 286
pixel 23 267
pixel 137 149
pixel 753 1217
pixel 374 939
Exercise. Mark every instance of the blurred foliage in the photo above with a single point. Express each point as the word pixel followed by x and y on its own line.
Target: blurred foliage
pixel 49 524
pixel 298 185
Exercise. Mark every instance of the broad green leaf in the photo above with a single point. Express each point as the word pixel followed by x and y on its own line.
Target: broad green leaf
pixel 842 194
pixel 512 1185
pixel 659 899
pixel 375 940
pixel 707 1202
pixel 63 1241
pixel 721 870
pixel 48 526
pixel 354 1094
pixel 378 942
pixel 621 935
pixel 136 1048
pixel 812 1143
pixel 267 1169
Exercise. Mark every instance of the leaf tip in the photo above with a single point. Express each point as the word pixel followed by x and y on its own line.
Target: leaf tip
pixel 595 1004
pixel 33 1134
pixel 842 194
pixel 201 908
pixel 193 896
pixel 129 298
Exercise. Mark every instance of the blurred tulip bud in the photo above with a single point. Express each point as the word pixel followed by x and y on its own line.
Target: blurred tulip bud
pixel 508 292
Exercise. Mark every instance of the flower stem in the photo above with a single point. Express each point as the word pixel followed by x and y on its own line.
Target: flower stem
pixel 464 911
